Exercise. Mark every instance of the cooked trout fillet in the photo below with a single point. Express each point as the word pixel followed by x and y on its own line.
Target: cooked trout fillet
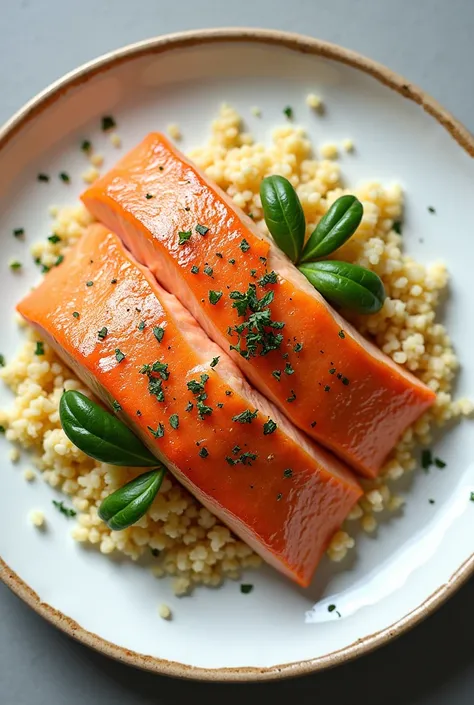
pixel 326 378
pixel 133 343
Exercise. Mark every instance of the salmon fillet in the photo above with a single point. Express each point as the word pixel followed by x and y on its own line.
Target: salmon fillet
pixel 330 381
pixel 190 404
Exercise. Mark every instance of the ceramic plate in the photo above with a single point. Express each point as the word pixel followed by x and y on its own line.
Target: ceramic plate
pixel 415 561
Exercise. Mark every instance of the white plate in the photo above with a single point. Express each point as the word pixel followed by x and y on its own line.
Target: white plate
pixel 415 561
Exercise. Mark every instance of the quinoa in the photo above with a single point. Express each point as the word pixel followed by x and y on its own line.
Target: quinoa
pixel 182 538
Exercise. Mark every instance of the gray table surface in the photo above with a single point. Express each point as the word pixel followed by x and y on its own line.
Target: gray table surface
pixel 431 43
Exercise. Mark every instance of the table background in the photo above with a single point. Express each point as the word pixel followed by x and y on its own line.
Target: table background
pixel 430 42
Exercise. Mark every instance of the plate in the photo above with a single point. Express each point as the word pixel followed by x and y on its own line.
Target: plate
pixel 414 562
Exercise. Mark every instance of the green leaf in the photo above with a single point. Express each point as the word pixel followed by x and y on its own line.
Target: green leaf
pixel 100 434
pixel 283 215
pixel 128 504
pixel 334 229
pixel 346 285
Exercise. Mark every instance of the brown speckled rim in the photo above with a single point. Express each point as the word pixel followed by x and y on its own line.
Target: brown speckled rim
pixel 304 45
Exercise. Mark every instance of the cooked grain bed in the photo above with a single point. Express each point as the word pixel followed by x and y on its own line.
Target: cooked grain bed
pixel 193 546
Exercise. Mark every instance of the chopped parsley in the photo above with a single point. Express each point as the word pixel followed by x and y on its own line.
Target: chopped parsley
pixel 277 374
pixel 197 387
pixel 439 463
pixel 397 227
pixel 244 246
pixel 102 334
pixel 54 238
pixel 332 608
pixel 160 431
pixel 214 296
pixel 203 453
pixel 59 260
pixel 64 177
pixel 89 283
pixel 215 361
pixel 327 388
pixel 2 429
pixel 158 332
pixel 341 334
pixel 119 356
pixel 116 406
pixel 288 111
pixel 269 427
pixel 39 350
pixel 194 269
pixel 345 381
pixel 219 254
pixel 76 314
pixel 228 392
pixel 154 552
pixel 189 406
pixel 208 270
pixel 236 449
pixel 18 232
pixel 43 177
pixel 174 421
pixel 246 416
pixel 141 325
pixel 202 229
pixel 148 196
pixel 288 369
pixel 232 261
pixel 279 497
pixel 184 236
pixel 253 272
pixel 332 370
pixel 202 409
pixel 220 405
pixel 108 123
pixel 268 278
pixel 64 510
pixel 426 459
pixel 292 397
pixel 472 497
pixel 2 360
pixel 431 501
pixel 245 459
pixel 245 588
pixel 15 265
pixel 255 330
pixel 431 209
pixel 86 146
pixel 113 281
pixel 288 473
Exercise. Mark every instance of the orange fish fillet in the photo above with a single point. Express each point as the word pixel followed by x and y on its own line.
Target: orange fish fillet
pixel 279 492
pixel 332 383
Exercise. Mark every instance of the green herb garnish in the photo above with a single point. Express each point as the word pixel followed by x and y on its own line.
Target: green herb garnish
pixel 43 177
pixel 119 356
pixel 148 196
pixel 194 269
pixel 108 123
pixel 174 421
pixel 208 270
pixel 15 265
pixel 160 431
pixel 245 589
pixel 19 232
pixel 102 334
pixel 184 236
pixel 288 111
pixel 288 473
pixel 269 427
pixel 246 416
pixel 202 229
pixel 215 361
pixel 64 510
pixel 54 238
pixel 116 406
pixel 292 397
pixel 90 283
pixel 214 296
pixel 158 332
pixel 76 314
pixel 141 325
pixel 203 453
pixel 86 146
pixel 244 246
pixel 39 350
pixel 64 177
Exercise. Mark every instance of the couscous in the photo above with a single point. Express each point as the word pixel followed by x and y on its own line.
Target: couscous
pixel 182 538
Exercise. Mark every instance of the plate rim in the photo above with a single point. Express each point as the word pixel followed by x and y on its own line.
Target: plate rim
pixel 301 44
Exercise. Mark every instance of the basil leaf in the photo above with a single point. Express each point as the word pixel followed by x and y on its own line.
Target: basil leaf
pixel 334 229
pixel 283 215
pixel 128 504
pixel 346 285
pixel 100 434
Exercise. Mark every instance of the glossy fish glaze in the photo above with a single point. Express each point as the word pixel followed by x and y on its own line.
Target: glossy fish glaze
pixel 288 500
pixel 340 389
